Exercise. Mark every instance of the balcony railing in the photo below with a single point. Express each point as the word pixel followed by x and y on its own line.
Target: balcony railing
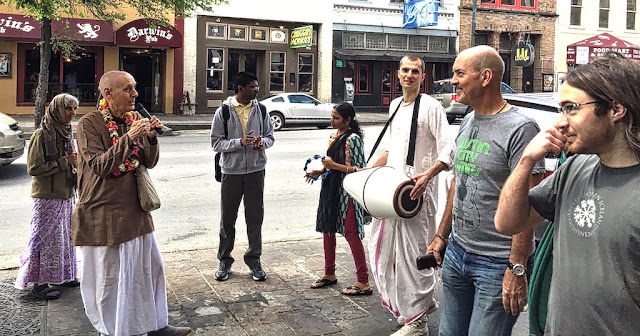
pixel 85 92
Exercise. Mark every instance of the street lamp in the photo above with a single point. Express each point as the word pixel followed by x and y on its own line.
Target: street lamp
pixel 473 23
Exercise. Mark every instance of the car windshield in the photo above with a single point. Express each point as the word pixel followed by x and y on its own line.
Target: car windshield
pixel 439 87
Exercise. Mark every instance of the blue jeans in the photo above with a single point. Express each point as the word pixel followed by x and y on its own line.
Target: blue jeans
pixel 472 294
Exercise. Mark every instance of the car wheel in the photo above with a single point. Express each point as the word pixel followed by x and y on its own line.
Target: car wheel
pixel 277 119
pixel 323 126
pixel 451 118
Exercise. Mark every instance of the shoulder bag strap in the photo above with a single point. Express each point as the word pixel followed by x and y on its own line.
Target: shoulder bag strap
pixel 411 153
pixel 384 129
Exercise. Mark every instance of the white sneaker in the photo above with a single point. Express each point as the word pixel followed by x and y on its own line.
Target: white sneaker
pixel 416 328
pixel 432 308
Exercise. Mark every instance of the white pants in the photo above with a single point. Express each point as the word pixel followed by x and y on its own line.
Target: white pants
pixel 394 246
pixel 123 287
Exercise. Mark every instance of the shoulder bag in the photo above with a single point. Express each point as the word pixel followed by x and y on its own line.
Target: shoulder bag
pixel 149 199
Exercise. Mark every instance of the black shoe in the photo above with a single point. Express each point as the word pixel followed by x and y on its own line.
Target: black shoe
pixel 44 292
pixel 258 274
pixel 71 284
pixel 223 272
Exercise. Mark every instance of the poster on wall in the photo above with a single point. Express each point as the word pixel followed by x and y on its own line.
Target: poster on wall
pixel 5 65
pixel 547 82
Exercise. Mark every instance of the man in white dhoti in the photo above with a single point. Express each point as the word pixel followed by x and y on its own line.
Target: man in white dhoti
pixel 394 244
pixel 123 283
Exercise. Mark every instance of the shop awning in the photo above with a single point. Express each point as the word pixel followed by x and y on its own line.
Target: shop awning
pixel 85 31
pixel 587 50
pixel 138 33
pixel 388 55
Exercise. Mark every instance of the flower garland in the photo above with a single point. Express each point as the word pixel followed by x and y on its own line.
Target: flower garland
pixel 132 162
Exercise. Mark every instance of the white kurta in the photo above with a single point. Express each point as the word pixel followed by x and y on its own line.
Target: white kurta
pixel 123 287
pixel 395 244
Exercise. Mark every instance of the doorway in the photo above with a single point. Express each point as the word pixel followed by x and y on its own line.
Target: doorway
pixel 146 65
pixel 242 60
pixel 527 79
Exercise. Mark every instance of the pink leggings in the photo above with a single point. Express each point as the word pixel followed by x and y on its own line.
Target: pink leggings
pixel 357 249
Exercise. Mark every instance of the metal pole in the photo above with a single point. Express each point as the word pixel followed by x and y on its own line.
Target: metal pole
pixel 473 24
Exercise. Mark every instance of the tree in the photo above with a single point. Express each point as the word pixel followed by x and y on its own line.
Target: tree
pixel 154 11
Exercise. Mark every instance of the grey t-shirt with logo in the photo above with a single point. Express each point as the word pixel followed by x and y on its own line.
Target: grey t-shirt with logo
pixel 488 149
pixel 595 287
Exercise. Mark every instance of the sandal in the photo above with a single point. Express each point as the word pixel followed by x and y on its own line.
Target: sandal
pixel 324 283
pixel 359 291
pixel 44 292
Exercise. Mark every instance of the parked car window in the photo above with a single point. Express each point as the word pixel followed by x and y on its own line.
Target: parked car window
pixel 278 100
pixel 300 99
pixel 439 87
pixel 504 88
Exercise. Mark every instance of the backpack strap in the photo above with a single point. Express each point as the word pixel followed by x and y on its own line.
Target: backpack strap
pixel 225 117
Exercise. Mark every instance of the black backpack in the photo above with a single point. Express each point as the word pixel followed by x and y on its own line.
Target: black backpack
pixel 225 117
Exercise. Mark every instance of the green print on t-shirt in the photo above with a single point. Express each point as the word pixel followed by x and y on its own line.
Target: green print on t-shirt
pixel 468 151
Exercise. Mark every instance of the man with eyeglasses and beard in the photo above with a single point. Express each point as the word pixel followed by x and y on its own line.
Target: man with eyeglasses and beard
pixel 595 287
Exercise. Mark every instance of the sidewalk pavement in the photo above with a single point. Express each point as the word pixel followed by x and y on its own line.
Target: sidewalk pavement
pixel 282 305
pixel 190 122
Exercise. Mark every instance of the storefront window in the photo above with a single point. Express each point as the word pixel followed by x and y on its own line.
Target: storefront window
pixel 305 72
pixel 277 71
pixel 215 69
pixel 418 43
pixel 397 42
pixel 386 79
pixel 352 40
pixel 75 75
pixel 376 41
pixel 363 77
pixel 438 44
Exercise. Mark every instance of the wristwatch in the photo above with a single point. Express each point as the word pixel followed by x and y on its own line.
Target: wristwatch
pixel 517 269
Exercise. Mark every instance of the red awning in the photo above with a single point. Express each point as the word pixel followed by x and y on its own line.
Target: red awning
pixel 138 33
pixel 585 51
pixel 85 31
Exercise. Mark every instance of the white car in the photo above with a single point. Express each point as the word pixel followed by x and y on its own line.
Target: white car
pixel 11 141
pixel 543 108
pixel 297 109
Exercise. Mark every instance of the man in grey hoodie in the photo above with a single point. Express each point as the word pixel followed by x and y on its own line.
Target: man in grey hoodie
pixel 243 161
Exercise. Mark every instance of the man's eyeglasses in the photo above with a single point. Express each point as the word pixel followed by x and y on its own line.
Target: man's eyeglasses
pixel 568 108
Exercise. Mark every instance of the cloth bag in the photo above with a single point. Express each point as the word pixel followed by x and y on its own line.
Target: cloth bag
pixel 149 199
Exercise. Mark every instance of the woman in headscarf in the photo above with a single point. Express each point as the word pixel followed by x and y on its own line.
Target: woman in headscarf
pixel 50 258
pixel 337 212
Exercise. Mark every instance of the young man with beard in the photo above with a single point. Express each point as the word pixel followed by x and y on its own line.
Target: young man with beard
pixel 595 287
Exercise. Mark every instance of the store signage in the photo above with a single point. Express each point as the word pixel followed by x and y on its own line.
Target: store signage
pixel 585 51
pixel 82 30
pixel 523 56
pixel 139 33
pixel 301 37
pixel 420 13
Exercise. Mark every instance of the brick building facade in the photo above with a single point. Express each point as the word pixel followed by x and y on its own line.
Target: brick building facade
pixel 502 24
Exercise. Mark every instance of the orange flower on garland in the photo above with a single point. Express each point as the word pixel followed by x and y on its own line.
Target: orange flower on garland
pixel 131 162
